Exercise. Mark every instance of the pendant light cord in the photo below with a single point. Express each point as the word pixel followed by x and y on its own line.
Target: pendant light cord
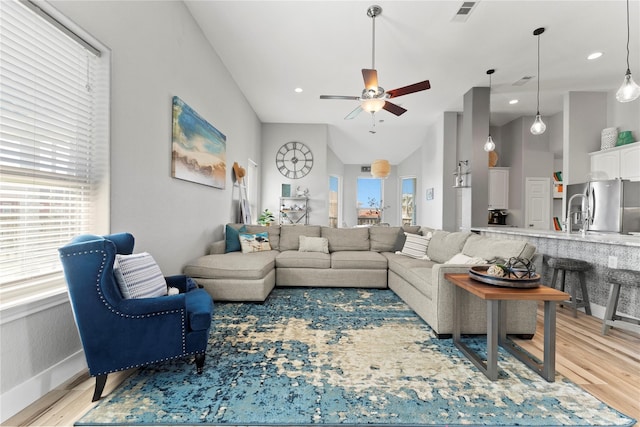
pixel 538 94
pixel 628 31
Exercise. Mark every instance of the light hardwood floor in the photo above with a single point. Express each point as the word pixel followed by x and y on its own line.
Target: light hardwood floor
pixel 606 366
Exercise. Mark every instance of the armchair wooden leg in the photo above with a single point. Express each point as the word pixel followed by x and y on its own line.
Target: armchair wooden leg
pixel 199 363
pixel 101 380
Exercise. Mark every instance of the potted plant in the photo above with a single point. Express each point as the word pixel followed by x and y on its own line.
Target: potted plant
pixel 266 218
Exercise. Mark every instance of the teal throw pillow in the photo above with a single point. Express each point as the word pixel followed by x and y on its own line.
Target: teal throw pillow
pixel 232 238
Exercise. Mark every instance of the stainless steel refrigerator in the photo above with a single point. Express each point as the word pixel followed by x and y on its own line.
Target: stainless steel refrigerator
pixel 613 205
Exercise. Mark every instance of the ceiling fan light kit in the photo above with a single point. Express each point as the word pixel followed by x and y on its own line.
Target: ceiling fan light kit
pixel 538 127
pixel 374 98
pixel 489 145
pixel 629 91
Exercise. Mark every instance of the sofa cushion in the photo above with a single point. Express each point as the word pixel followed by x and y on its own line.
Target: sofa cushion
pixel 415 246
pixel 417 272
pixel 234 265
pixel 314 244
pixel 232 238
pixel 297 259
pixel 347 239
pixel 359 260
pixel 413 229
pixel 384 239
pixel 254 242
pixel 465 259
pixel 490 248
pixel 273 230
pixel 290 235
pixel 444 245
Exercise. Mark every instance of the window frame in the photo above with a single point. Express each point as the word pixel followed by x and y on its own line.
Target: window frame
pixel 28 295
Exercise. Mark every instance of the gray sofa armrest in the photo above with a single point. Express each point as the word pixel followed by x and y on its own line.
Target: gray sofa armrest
pixel 217 247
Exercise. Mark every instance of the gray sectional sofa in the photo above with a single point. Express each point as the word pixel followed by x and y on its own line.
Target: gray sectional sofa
pixel 364 257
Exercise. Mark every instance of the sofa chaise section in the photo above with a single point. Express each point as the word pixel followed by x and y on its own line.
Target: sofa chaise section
pixel 235 276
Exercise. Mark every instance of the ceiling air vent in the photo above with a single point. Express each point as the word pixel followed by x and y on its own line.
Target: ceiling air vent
pixel 524 80
pixel 465 10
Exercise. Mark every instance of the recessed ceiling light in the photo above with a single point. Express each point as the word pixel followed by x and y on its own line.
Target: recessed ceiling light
pixel 513 101
pixel 298 90
pixel 594 55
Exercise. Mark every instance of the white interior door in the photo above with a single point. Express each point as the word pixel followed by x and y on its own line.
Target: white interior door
pixel 538 203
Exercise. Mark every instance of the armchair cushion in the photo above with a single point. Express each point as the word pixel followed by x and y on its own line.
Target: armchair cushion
pixel 139 276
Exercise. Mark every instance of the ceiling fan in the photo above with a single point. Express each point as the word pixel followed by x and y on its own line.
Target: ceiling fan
pixel 374 98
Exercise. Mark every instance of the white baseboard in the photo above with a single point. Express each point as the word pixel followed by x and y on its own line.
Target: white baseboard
pixel 23 395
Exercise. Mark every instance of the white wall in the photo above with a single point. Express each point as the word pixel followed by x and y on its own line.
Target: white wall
pixel 157 52
pixel 274 135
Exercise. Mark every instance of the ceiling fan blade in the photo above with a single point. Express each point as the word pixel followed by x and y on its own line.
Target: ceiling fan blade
pixel 350 98
pixel 416 87
pixel 370 79
pixel 394 109
pixel 354 113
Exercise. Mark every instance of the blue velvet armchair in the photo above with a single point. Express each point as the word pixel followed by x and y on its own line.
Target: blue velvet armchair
pixel 119 333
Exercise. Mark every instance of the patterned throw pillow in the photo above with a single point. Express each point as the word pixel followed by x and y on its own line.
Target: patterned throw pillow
pixel 415 246
pixel 139 276
pixel 255 242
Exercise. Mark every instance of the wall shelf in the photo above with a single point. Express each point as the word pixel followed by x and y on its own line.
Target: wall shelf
pixel 294 210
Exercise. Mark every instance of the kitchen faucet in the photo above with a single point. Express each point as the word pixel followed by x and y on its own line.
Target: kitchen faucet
pixel 586 215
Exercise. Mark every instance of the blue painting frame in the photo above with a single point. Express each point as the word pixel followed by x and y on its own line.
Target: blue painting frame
pixel 198 149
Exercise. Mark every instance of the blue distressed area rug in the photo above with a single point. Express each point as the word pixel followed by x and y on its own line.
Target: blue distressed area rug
pixel 319 356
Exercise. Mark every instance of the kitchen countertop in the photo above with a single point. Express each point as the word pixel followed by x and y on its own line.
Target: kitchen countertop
pixel 594 237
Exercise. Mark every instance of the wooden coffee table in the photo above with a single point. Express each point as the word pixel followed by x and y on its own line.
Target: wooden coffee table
pixel 497 321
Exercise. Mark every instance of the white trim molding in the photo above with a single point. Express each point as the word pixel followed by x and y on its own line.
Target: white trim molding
pixel 23 395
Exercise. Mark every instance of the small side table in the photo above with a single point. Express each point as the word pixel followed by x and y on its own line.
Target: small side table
pixel 497 321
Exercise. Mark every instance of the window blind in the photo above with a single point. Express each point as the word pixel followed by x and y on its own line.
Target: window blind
pixel 51 156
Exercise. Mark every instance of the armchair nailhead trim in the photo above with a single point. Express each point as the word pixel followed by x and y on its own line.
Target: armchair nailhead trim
pixel 129 316
pixel 164 359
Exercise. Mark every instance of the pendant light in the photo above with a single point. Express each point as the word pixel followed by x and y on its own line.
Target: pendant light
pixel 538 127
pixel 629 91
pixel 490 145
pixel 380 168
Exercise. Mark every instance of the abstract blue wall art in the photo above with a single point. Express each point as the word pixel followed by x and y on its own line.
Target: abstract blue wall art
pixel 198 150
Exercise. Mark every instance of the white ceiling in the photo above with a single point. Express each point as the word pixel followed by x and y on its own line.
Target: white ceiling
pixel 272 47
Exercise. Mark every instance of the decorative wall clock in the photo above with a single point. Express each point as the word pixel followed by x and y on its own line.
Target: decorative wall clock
pixel 294 160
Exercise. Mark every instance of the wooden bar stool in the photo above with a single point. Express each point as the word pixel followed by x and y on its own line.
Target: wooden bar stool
pixel 619 278
pixel 565 265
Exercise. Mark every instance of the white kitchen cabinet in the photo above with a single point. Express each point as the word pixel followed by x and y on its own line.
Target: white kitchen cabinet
pixel 630 163
pixel 498 188
pixel 618 162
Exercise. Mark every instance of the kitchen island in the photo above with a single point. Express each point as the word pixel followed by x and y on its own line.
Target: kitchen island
pixel 595 248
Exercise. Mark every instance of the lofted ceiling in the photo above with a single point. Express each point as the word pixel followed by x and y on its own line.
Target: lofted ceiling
pixel 272 47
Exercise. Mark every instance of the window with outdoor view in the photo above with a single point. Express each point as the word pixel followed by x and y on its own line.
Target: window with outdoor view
pixel 370 205
pixel 54 169
pixel 408 201
pixel 334 200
